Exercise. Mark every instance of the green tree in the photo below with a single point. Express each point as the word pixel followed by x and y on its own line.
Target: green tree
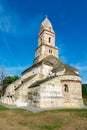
pixel 8 80
pixel 84 89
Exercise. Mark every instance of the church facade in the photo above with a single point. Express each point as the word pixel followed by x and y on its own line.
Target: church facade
pixel 48 83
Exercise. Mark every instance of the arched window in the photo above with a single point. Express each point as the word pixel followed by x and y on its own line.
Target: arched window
pixel 49 39
pixel 66 88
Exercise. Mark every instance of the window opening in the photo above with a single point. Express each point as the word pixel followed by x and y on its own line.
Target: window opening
pixel 66 88
pixel 50 51
pixel 49 39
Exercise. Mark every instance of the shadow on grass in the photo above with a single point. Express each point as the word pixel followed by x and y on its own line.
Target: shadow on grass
pixel 3 108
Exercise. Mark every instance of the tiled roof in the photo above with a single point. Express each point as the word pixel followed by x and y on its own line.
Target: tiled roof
pixel 37 83
pixel 24 81
pixel 57 66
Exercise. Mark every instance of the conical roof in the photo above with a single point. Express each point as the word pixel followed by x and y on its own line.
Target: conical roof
pixel 46 25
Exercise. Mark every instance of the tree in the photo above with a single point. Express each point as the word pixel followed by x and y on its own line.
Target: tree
pixel 2 76
pixel 8 80
pixel 84 90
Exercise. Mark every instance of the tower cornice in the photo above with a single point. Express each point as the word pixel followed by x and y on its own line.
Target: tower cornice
pixel 47 45
pixel 46 31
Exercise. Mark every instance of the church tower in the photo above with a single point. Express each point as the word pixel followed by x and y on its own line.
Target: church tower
pixel 46 42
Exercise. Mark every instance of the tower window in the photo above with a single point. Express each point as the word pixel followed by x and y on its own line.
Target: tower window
pixel 50 51
pixel 49 39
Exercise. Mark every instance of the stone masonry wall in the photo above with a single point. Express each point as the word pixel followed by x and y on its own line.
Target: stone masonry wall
pixel 51 93
pixel 44 51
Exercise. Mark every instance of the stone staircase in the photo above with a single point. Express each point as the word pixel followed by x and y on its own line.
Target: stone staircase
pixel 21 92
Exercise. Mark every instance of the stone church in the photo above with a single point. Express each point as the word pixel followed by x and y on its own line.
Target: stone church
pixel 48 82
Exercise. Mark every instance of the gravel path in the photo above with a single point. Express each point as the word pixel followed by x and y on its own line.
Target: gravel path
pixel 34 109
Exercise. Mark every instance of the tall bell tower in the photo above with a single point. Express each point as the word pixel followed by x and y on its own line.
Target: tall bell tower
pixel 46 42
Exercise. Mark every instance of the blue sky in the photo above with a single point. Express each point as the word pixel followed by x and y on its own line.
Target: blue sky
pixel 20 22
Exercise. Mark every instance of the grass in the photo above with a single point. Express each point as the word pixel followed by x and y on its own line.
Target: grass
pixel 16 119
pixel 2 108
pixel 25 123
pixel 51 126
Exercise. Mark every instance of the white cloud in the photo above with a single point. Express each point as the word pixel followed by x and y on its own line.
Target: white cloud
pixel 81 67
pixel 15 70
pixel 61 51
pixel 12 27
pixel 13 24
pixel 11 71
pixel 63 58
pixel 82 71
pixel 7 21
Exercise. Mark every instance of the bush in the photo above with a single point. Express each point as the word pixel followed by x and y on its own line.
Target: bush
pixel 84 89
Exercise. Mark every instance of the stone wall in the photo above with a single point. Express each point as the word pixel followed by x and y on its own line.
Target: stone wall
pixel 52 93
pixel 48 94
pixel 22 92
pixel 45 50
pixel 35 70
pixel 44 38
pixel 72 98
pixel 8 97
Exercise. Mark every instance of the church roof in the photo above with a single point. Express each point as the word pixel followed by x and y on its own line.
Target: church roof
pixel 56 64
pixel 46 25
pixel 37 83
pixel 30 68
pixel 24 81
pixel 57 67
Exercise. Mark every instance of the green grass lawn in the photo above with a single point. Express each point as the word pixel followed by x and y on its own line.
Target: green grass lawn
pixel 20 119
